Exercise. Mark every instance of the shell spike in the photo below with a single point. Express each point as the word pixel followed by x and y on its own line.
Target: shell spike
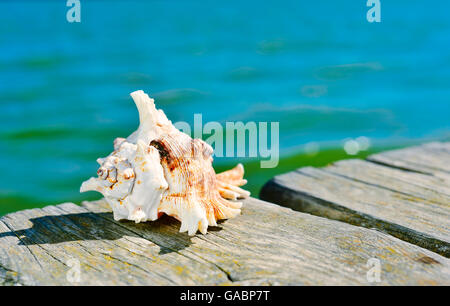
pixel 90 184
pixel 151 120
pixel 145 105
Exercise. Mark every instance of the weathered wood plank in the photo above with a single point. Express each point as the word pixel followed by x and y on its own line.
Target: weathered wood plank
pixel 432 158
pixel 412 206
pixel 267 244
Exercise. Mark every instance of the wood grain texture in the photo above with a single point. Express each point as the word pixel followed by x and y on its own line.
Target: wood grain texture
pixel 432 158
pixel 266 245
pixel 405 193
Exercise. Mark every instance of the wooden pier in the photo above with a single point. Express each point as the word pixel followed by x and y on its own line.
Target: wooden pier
pixel 404 193
pixel 393 209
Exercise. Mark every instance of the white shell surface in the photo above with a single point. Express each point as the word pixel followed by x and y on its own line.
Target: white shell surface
pixel 158 169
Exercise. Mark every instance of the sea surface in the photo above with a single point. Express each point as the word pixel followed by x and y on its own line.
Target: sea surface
pixel 319 68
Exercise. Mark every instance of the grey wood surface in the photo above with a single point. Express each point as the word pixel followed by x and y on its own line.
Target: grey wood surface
pixel 405 193
pixel 432 158
pixel 267 244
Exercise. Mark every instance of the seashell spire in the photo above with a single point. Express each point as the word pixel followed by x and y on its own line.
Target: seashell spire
pixel 152 122
pixel 160 170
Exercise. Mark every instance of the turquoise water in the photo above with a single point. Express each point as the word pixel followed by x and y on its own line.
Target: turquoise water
pixel 317 67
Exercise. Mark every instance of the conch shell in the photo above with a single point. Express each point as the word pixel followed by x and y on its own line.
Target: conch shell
pixel 159 170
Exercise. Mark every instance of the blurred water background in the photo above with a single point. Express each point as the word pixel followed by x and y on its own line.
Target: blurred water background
pixel 317 67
